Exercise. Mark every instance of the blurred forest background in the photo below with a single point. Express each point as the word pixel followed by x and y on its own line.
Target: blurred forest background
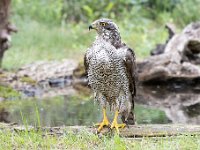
pixel 54 30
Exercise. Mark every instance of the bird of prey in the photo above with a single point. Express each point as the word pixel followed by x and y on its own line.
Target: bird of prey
pixel 111 70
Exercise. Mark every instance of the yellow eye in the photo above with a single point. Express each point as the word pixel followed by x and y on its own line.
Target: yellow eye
pixel 103 24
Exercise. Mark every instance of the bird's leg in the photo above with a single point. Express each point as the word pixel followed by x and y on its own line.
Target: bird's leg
pixel 105 121
pixel 115 124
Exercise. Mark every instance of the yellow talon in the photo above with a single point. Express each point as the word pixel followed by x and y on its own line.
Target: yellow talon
pixel 105 121
pixel 115 124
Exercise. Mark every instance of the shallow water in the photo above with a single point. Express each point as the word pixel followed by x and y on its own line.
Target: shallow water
pixel 66 110
pixel 154 105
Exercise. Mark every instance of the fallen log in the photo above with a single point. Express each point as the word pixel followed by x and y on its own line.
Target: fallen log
pixel 153 130
pixel 179 60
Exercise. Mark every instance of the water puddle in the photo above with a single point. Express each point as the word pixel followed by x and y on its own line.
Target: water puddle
pixel 67 110
pixel 154 105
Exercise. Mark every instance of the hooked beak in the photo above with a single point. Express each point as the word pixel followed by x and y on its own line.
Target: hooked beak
pixel 90 27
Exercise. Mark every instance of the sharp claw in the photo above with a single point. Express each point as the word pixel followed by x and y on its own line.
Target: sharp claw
pixel 105 122
pixel 101 125
pixel 100 128
pixel 117 126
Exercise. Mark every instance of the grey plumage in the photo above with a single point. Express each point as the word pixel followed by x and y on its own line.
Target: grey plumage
pixel 111 70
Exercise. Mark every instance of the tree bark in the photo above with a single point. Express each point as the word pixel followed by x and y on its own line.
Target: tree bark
pixel 6 28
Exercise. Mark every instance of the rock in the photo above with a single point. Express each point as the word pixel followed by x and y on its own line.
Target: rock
pixel 42 70
pixel 44 78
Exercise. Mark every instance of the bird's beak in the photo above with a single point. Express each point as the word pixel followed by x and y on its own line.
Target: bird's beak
pixel 90 27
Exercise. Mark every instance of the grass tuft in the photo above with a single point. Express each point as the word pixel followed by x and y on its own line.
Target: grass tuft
pixel 85 140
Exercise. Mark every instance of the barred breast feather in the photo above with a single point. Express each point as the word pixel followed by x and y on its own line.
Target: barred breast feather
pixel 107 74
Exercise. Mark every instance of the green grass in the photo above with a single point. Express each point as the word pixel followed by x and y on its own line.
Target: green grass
pixel 84 140
pixel 37 41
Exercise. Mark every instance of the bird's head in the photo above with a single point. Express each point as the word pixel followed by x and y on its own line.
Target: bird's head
pixel 107 30
pixel 104 26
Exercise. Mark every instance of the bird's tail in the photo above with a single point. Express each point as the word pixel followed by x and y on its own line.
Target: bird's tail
pixel 130 120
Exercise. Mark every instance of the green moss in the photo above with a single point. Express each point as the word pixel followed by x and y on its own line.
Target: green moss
pixel 28 80
pixel 8 92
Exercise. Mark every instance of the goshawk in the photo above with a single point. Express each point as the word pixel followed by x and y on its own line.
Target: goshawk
pixel 111 70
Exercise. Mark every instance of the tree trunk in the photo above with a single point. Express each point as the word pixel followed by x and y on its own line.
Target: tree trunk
pixel 6 28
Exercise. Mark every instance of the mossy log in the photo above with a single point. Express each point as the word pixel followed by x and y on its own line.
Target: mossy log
pixel 153 130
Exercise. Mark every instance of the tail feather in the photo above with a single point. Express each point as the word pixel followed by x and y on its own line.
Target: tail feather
pixel 130 120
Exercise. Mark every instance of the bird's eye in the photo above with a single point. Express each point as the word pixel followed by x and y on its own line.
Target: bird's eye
pixel 103 24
